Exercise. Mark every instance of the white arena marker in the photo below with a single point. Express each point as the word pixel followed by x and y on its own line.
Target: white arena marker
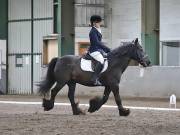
pixel 172 101
pixel 141 72
pixel 87 105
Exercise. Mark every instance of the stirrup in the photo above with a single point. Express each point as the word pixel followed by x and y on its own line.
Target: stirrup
pixel 97 83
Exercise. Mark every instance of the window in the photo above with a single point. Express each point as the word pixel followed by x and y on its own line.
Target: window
pixel 50 48
pixel 19 60
pixel 170 53
pixel 84 9
pixel 83 46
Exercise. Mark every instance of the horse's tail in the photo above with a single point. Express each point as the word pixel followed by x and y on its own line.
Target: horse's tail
pixel 45 85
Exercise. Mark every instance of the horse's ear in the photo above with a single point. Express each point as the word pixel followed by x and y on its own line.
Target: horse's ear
pixel 136 41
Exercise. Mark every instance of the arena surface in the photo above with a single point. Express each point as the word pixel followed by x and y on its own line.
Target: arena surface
pixel 25 119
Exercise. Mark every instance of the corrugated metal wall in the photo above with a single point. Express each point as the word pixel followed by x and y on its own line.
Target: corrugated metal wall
pixel 169 32
pixel 19 9
pixel 43 8
pixel 170 53
pixel 43 12
pixel 125 21
pixel 19 77
pixel 85 8
pixel 19 37
pixel 21 42
pixel 169 20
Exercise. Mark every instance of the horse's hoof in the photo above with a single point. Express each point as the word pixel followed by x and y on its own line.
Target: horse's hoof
pixel 77 110
pixel 47 104
pixel 94 104
pixel 81 112
pixel 124 112
pixel 92 109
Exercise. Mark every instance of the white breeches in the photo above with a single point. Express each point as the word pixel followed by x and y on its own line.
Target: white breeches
pixel 97 56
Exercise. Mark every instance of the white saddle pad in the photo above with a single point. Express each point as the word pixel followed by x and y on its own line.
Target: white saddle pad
pixel 86 65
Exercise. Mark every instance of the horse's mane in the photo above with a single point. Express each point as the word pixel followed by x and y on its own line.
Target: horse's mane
pixel 121 50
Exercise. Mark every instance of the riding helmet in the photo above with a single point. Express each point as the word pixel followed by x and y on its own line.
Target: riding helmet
pixel 95 18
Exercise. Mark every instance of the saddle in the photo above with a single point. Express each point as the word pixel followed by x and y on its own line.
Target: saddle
pixel 88 63
pixel 87 56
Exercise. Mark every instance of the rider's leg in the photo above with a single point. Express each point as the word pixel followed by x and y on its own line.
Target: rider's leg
pixel 99 66
pixel 97 71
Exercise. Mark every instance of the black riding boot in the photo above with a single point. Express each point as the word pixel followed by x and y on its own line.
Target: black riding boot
pixel 97 71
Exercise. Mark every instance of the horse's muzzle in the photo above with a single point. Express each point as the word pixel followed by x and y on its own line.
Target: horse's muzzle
pixel 145 62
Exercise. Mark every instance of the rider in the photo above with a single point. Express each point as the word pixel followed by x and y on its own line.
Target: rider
pixel 97 48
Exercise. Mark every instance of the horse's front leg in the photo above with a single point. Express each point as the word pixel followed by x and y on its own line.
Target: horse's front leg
pixel 75 106
pixel 122 111
pixel 96 103
pixel 49 104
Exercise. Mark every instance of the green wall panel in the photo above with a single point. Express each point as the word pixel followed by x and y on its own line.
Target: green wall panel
pixel 59 25
pixel 150 28
pixel 151 47
pixel 67 27
pixel 67 47
pixel 3 19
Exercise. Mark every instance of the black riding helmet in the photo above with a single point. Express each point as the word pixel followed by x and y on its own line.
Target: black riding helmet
pixel 95 18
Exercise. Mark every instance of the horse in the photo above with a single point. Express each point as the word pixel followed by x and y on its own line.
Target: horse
pixel 67 71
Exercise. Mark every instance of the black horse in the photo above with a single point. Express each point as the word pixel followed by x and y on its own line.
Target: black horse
pixel 66 70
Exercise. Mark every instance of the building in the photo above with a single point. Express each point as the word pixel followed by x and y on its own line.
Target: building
pixel 27 27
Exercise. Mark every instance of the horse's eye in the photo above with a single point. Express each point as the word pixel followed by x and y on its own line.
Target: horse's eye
pixel 140 48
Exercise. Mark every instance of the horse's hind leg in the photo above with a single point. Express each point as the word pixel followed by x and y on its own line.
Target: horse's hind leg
pixel 75 108
pixel 96 103
pixel 49 104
